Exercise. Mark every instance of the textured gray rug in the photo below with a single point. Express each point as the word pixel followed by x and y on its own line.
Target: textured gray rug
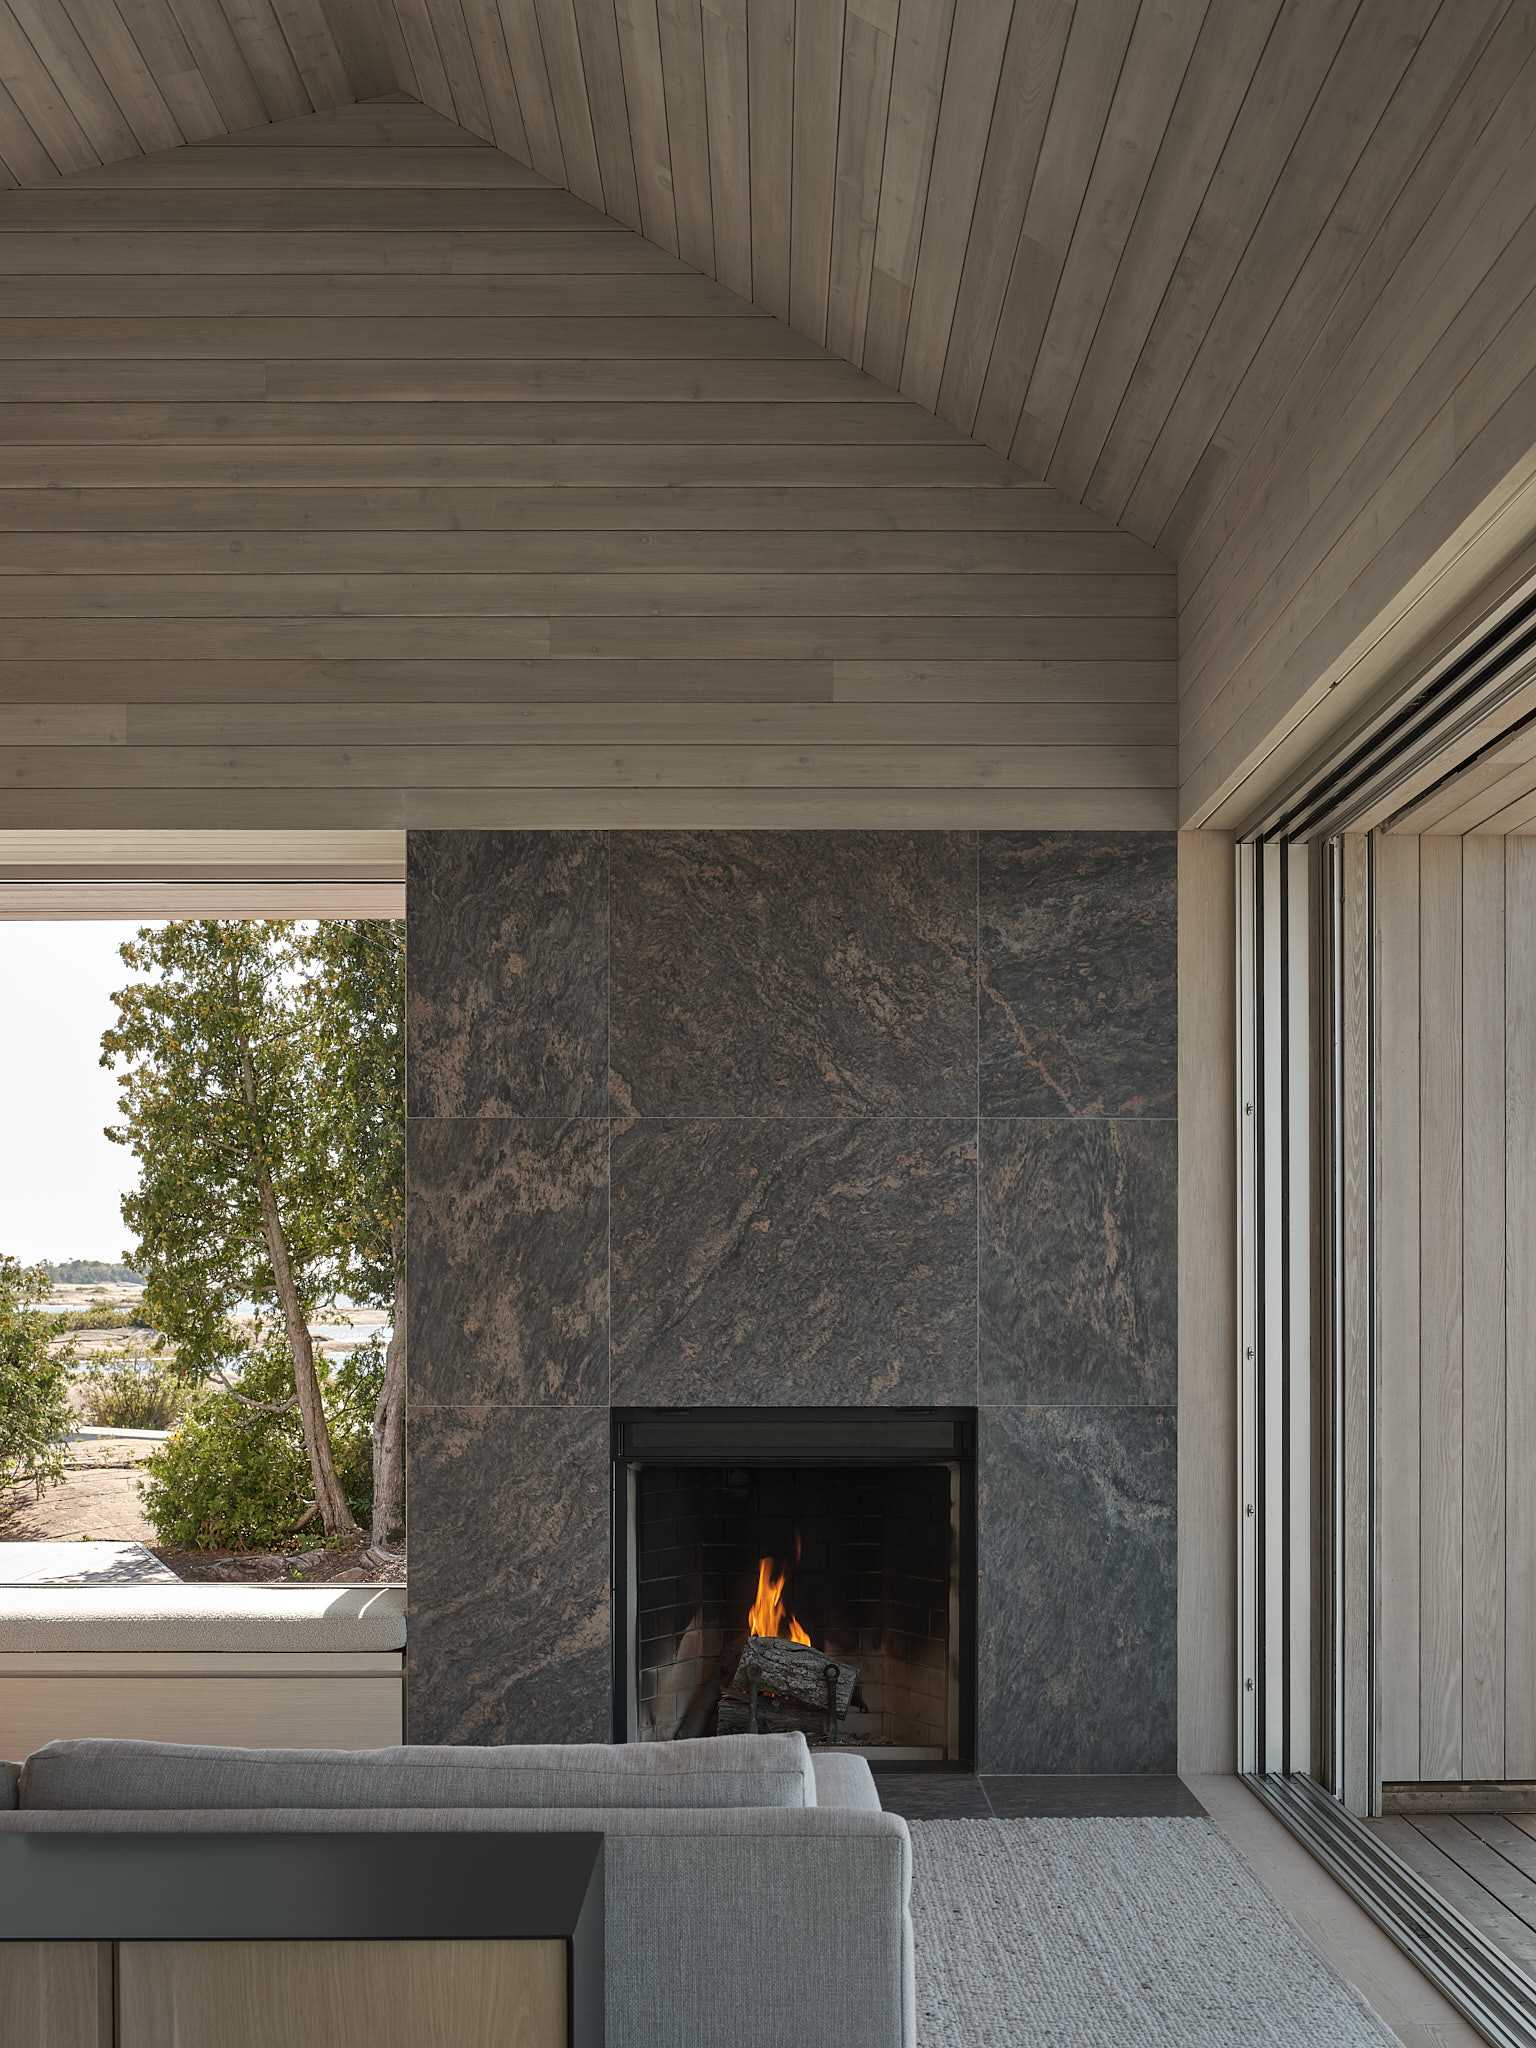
pixel 1136 1933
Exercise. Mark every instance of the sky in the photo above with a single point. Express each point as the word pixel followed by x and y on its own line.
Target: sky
pixel 61 1181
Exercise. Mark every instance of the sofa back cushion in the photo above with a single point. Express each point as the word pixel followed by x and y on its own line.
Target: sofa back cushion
pixel 725 1770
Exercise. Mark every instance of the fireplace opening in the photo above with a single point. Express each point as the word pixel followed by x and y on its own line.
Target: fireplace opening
pixel 797 1569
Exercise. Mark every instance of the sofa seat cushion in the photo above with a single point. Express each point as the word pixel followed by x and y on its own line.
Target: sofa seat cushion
pixel 249 1619
pixel 721 1771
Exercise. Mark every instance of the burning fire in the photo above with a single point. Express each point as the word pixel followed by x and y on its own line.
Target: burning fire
pixel 768 1616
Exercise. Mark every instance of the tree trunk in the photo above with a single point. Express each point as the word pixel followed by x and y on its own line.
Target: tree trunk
pixel 389 1422
pixel 335 1515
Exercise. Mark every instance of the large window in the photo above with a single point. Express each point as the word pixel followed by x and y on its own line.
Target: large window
pixel 202 1332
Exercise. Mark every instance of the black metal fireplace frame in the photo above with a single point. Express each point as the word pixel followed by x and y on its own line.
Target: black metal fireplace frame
pixel 881 1437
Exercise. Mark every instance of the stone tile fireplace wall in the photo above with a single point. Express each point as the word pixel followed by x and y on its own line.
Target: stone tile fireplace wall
pixel 762 1119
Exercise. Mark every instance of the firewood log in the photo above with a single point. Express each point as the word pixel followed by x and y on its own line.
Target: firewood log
pixel 792 1671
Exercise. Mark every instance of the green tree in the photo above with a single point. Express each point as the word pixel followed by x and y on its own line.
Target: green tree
pixel 217 1095
pixel 358 1021
pixel 34 1378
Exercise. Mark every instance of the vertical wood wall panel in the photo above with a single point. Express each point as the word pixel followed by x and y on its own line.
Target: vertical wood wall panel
pixel 1397 1392
pixel 1520 1268
pixel 1440 1242
pixel 1456 1264
pixel 1482 1270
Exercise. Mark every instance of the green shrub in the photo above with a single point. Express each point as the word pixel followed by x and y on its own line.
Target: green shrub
pixel 34 1381
pixel 234 1476
pixel 103 1317
pixel 117 1394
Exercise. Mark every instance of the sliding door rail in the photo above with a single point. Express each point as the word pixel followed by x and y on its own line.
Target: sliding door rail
pixel 1482 1982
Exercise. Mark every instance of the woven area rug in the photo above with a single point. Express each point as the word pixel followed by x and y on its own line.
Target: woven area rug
pixel 1135 1933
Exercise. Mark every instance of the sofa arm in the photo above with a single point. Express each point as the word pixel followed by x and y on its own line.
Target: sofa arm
pixel 800 1915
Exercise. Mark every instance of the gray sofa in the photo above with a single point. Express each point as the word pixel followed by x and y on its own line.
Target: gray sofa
pixel 736 1864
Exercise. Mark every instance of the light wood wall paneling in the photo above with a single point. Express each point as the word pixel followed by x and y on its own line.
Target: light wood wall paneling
pixel 1457 1167
pixel 1483 1290
pixel 1398 1328
pixel 1441 1335
pixel 602 544
pixel 1520 1313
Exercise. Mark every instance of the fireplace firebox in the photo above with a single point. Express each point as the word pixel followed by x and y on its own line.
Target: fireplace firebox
pixel 793 1568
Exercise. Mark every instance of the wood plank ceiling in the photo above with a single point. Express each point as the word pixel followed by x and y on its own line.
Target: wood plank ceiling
pixel 1145 249
pixel 353 478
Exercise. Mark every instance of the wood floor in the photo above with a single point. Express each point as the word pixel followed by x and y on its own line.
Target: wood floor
pixel 1483 1864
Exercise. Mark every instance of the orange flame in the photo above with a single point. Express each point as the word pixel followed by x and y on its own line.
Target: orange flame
pixel 767 1616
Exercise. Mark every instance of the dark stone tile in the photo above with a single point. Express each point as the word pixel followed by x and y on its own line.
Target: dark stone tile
pixel 1078 1005
pixel 506 955
pixel 1157 1796
pixel 770 1262
pixel 507 1628
pixel 933 1795
pixel 794 973
pixel 1076 1625
pixel 1079 1261
pixel 507 1248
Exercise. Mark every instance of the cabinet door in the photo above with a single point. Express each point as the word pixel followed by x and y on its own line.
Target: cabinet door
pixel 56 1994
pixel 342 1994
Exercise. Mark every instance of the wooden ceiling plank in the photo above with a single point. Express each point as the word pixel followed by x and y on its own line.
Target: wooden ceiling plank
pixel 1517 817
pixel 1441 68
pixel 868 56
pixel 1450 165
pixel 917 82
pixel 100 25
pixel 468 320
pixel 573 109
pixel 682 62
pixel 727 92
pixel 212 48
pixel 461 68
pixel 39 100
pixel 539 423
pixel 315 53
pixel 819 508
pixel 689 379
pixel 1409 359
pixel 26 161
pixel 64 206
pixel 419 32
pixel 756 765
pixel 124 827
pixel 771 143
pixel 231 167
pixel 256 466
pixel 489 258
pixel 1037 42
pixel 1153 71
pixel 1091 67
pixel 525 53
pixel 818 89
pixel 603 69
pixel 359 28
pixel 1226 54
pixel 967 111
pixel 645 95
pixel 73 69
pixel 592 595
pixel 1471 797
pixel 1290 73
pixel 589 550
pixel 1374 57
pixel 268 57
pixel 871 637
